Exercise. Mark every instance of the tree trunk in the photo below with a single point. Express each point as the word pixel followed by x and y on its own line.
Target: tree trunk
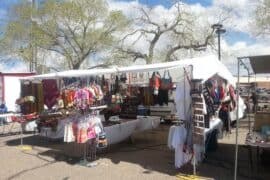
pixel 76 66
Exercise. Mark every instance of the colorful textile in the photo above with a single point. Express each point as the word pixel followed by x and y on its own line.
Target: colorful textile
pixel 81 98
pixel 51 92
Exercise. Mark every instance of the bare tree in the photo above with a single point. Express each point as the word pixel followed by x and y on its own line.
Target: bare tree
pixel 180 30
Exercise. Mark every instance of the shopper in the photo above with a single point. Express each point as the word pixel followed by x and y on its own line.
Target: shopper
pixel 254 101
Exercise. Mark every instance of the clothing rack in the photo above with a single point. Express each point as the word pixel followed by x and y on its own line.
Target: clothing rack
pixel 90 146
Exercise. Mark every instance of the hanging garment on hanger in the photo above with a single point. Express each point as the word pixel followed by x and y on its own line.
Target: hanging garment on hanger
pixel 81 98
pixel 183 99
pixel 51 92
pixel 178 141
pixel 166 81
pixel 163 97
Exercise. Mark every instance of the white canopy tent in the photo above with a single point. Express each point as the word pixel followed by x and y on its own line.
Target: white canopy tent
pixel 202 68
pixel 199 68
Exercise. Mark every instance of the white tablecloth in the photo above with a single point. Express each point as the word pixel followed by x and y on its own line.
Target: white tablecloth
pixel 7 116
pixel 120 132
pixel 58 134
pixel 147 122
pixel 115 133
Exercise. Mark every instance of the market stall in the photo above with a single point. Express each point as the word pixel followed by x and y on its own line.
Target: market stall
pixel 110 104
pixel 207 104
pixel 259 135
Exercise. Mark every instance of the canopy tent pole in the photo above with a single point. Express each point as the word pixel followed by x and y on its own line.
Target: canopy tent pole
pixel 248 115
pixel 237 121
pixel 240 62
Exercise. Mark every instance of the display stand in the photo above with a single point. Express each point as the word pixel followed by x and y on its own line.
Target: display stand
pixel 198 119
pixel 89 154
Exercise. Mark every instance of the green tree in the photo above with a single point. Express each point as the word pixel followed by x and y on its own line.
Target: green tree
pixel 75 29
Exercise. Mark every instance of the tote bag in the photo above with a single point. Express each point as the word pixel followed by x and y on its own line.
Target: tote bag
pixel 166 81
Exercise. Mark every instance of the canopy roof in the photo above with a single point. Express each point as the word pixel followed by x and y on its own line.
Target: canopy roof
pixel 260 64
pixel 202 68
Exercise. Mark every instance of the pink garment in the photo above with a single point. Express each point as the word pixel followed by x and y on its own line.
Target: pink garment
pixel 91 134
pixel 51 92
pixel 82 98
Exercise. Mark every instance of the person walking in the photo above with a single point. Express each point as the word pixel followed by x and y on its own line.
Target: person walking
pixel 254 99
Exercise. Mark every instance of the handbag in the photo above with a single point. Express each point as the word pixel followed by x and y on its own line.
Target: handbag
pixel 166 82
pixel 155 82
pixel 123 77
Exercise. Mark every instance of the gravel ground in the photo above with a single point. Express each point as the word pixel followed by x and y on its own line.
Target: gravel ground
pixel 145 157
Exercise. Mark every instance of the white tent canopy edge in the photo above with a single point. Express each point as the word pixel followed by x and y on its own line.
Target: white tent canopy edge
pixel 202 68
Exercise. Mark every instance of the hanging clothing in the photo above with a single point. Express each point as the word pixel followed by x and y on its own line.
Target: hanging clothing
pixel 51 92
pixel 39 98
pixel 178 141
pixel 82 98
pixel 29 106
pixel 183 99
pixel 163 97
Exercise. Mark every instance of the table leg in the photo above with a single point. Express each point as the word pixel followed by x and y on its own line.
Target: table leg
pixel 250 157
pixel 258 158
pixel 11 127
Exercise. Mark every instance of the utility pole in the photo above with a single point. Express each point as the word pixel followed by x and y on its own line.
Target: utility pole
pixel 33 62
pixel 219 30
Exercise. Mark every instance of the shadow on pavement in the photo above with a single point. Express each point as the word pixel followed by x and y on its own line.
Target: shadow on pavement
pixel 149 150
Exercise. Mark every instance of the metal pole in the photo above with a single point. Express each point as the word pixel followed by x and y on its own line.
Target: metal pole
pixel 237 122
pixel 219 56
pixel 249 123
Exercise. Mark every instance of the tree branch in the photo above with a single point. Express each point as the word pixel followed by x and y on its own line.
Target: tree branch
pixel 136 55
pixel 196 47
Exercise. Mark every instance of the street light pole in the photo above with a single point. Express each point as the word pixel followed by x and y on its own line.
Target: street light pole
pixel 219 30
pixel 219 56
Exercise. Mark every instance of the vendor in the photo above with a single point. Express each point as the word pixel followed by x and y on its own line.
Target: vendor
pixel 254 99
pixel 227 104
pixel 3 108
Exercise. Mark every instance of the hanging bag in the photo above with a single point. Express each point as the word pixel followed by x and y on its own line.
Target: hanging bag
pixel 155 82
pixel 166 81
pixel 151 80
pixel 123 77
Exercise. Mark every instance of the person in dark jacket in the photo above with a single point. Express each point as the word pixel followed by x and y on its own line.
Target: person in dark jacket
pixel 3 109
pixel 254 99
